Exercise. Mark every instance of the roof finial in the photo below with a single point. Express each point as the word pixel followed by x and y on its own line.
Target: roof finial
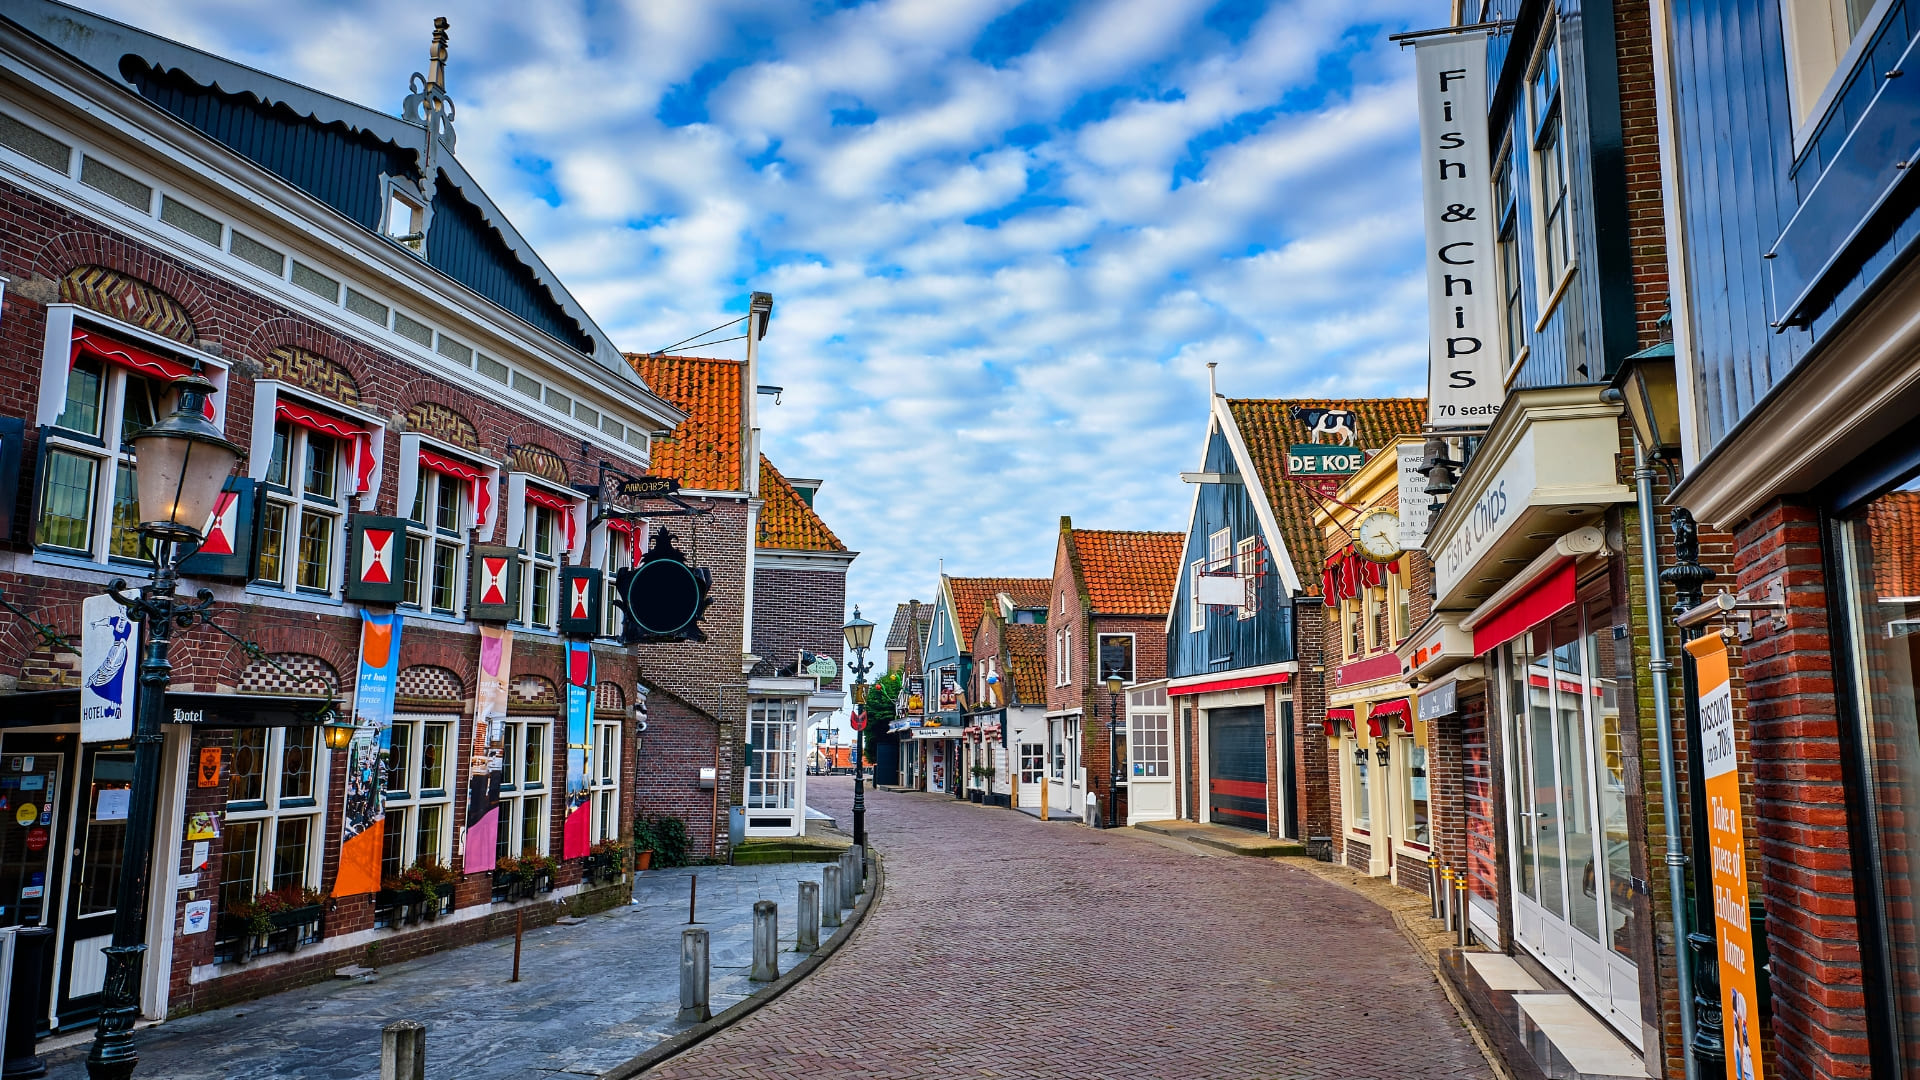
pixel 1211 392
pixel 428 105
pixel 437 56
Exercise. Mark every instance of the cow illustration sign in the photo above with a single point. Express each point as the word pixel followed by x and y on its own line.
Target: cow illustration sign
pixel 108 644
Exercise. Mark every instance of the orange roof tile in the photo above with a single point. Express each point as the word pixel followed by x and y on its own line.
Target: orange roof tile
pixel 1128 572
pixel 972 595
pixel 1268 427
pixel 1026 646
pixel 703 453
pixel 787 523
pixel 1893 520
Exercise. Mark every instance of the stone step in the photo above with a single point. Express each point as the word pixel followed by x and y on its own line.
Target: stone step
pixel 1225 838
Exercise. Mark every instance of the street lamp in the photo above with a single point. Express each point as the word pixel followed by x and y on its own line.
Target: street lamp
pixel 859 636
pixel 183 462
pixel 1114 686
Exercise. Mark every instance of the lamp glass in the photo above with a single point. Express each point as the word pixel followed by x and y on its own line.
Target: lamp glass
pixel 183 464
pixel 1652 396
pixel 338 734
pixel 859 632
pixel 1114 685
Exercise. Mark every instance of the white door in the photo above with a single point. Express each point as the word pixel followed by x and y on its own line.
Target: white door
pixel 1150 795
pixel 1033 773
pixel 773 768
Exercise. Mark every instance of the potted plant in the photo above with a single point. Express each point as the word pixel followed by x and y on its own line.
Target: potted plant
pixel 518 879
pixel 423 890
pixel 507 882
pixel 983 777
pixel 256 922
pixel 671 844
pixel 538 869
pixel 644 841
pixel 606 860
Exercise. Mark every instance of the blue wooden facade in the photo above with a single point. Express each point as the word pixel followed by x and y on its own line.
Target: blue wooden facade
pixel 1228 642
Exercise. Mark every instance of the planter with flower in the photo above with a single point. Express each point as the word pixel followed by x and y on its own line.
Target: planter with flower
pixel 284 918
pixel 606 862
pixel 421 891
pixel 521 878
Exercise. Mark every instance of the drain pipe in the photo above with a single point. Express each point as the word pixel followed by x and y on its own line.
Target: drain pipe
pixel 1659 665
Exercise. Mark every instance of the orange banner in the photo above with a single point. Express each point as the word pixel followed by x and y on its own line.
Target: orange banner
pixel 1739 993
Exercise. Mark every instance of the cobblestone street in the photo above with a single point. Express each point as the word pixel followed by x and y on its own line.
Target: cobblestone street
pixel 1003 946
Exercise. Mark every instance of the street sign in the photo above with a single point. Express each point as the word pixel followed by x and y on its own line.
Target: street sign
pixel 648 487
pixel 1320 459
pixel 859 720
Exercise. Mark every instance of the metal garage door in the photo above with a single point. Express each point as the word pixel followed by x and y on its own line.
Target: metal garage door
pixel 1237 777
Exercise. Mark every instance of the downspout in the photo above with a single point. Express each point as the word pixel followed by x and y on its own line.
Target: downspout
pixel 1659 665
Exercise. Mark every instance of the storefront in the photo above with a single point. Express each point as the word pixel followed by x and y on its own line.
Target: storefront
pixel 1237 722
pixel 1150 754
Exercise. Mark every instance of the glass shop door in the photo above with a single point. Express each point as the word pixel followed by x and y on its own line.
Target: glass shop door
pixel 99 843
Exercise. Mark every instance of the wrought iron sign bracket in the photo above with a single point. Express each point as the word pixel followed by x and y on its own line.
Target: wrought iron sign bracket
pixel 50 637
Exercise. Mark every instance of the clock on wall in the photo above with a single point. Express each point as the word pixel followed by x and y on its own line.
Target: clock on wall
pixel 1378 536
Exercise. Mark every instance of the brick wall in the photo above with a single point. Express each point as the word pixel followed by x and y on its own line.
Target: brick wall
pixel 796 609
pixel 1309 721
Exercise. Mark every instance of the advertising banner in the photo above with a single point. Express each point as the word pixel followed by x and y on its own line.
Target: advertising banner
pixel 949 689
pixel 576 835
pixel 916 695
pixel 1414 500
pixel 109 655
pixel 1726 839
pixel 364 817
pixel 1465 380
pixel 480 841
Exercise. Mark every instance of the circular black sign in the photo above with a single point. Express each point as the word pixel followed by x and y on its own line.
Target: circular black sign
pixel 663 596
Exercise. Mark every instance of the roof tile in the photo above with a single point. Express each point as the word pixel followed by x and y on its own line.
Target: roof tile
pixel 787 523
pixel 1129 572
pixel 703 453
pixel 971 596
pixel 1026 645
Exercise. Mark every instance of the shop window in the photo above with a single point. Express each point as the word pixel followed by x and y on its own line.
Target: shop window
pixel 603 780
pixel 1059 736
pixel 419 808
pixel 1359 791
pixel 271 828
pixel 1823 41
pixel 1883 637
pixel 1549 163
pixel 301 514
pixel 1151 743
pixel 540 568
pixel 89 502
pixel 1418 827
pixel 526 753
pixel 1033 763
pixel 437 543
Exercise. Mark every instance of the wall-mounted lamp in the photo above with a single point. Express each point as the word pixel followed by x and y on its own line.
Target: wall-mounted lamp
pixel 1380 753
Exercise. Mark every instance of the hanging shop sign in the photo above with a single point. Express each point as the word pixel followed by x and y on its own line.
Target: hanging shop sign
pixel 665 596
pixel 109 648
pixel 362 826
pixel 822 666
pixel 1739 982
pixel 496 583
pixel 576 834
pixel 949 689
pixel 376 574
pixel 1319 459
pixel 648 487
pixel 227 545
pixel 580 589
pixel 482 835
pixel 1464 376
pixel 1441 700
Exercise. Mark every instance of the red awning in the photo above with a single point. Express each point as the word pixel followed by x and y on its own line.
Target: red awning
pixel 476 480
pixel 132 357
pixel 1334 718
pixel 1229 682
pixel 1399 709
pixel 359 437
pixel 1549 596
pixel 557 504
pixel 634 532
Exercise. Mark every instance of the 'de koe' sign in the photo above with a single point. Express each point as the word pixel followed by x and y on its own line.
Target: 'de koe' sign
pixel 1464 376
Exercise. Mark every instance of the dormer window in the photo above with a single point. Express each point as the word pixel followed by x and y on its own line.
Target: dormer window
pixel 406 222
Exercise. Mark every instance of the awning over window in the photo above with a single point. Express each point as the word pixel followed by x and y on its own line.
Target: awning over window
pixel 1397 709
pixel 1347 573
pixel 1336 717
pixel 557 504
pixel 1553 594
pixel 357 436
pixel 476 480
pixel 634 531
pixel 132 357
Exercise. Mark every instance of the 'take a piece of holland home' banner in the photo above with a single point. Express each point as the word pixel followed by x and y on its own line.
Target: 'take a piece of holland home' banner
pixel 1464 357
pixel 576 835
pixel 362 828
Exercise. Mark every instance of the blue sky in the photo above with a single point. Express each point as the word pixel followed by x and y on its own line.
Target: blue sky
pixel 1004 238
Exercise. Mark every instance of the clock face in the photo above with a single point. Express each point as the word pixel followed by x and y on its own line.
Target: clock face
pixel 1378 536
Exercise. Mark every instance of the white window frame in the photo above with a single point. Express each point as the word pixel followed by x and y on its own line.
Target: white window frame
pixel 1150 738
pixel 407 803
pixel 516 790
pixel 427 537
pixel 615 555
pixel 778 790
pixel 603 779
pixel 1196 611
pixel 289 494
pixel 1057 749
pixel 403 192
pixel 1550 275
pixel 1403 755
pixel 1246 565
pixel 1033 763
pixel 542 524
pixel 1359 795
pixel 1807 29
pixel 1133 658
pixel 273 807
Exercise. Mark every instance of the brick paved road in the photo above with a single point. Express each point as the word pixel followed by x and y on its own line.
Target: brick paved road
pixel 1004 947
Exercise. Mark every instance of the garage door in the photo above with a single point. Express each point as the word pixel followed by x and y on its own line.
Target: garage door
pixel 1237 777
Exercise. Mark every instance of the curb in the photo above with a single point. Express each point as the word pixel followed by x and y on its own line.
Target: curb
pixel 699 1033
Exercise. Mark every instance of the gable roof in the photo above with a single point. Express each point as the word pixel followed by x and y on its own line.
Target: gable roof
pixel 1266 427
pixel 898 631
pixel 703 453
pixel 1126 572
pixel 970 597
pixel 787 523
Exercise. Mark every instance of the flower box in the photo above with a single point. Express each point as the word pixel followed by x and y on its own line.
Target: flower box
pixel 290 930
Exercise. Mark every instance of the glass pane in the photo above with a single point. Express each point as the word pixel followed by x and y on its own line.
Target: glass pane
pixel 315 568
pixel 322 452
pixel 446 505
pixel 290 852
pixel 509 819
pixel 543 532
pixel 532 773
pixel 446 565
pixel 410 571
pixel 419 511
pixel 239 861
pixel 270 564
pixel 139 408
pixel 1576 796
pixel 126 541
pixel 1610 765
pixel 427 838
pixel 433 758
pixel 106 841
pixel 1362 790
pixel 66 502
pixel 393 843
pixel 542 597
pixel 533 833
pixel 247 778
pixel 296 763
pixel 277 464
pixel 1419 824
pixel 509 755
pixel 400 760
pixel 1519 714
pixel 82 409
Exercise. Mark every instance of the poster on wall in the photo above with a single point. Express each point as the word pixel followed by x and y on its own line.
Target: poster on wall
pixel 109 647
pixel 916 695
pixel 480 841
pixel 937 767
pixel 576 835
pixel 363 820
pixel 949 689
pixel 1739 986
pixel 1415 503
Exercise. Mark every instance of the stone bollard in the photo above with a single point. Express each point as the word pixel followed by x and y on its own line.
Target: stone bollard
pixel 859 870
pixel 693 977
pixel 766 941
pixel 830 895
pixel 846 879
pixel 403 1051
pixel 808 938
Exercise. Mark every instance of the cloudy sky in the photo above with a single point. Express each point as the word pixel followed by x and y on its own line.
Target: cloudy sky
pixel 1004 238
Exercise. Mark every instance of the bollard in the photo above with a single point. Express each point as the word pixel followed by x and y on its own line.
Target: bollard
pixel 403 1051
pixel 1433 887
pixel 519 931
pixel 693 893
pixel 1446 898
pixel 1460 911
pixel 693 977
pixel 830 895
pixel 859 869
pixel 808 938
pixel 766 941
pixel 846 878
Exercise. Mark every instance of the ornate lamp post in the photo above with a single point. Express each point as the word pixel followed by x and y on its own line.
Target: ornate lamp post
pixel 859 636
pixel 183 464
pixel 1114 764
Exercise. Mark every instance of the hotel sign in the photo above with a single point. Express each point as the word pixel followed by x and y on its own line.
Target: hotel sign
pixel 1464 376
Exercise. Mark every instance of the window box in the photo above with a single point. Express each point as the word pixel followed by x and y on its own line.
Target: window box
pixel 238 937
pixel 404 907
pixel 605 863
pixel 523 878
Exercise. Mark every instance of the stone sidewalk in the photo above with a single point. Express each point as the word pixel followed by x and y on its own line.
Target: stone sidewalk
pixel 592 995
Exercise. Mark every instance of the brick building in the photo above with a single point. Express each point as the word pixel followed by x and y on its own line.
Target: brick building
pixel 1109 597
pixel 934 761
pixel 1007 703
pixel 906 644
pixel 421 400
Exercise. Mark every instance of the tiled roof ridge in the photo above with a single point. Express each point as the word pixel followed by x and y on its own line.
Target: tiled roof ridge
pixel 787 523
pixel 1124 571
pixel 966 616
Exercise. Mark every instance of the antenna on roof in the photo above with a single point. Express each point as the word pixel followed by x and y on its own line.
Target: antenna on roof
pixel 1211 392
pixel 428 105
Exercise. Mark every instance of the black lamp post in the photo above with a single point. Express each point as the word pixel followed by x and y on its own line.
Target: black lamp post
pixel 183 464
pixel 859 636
pixel 1114 688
